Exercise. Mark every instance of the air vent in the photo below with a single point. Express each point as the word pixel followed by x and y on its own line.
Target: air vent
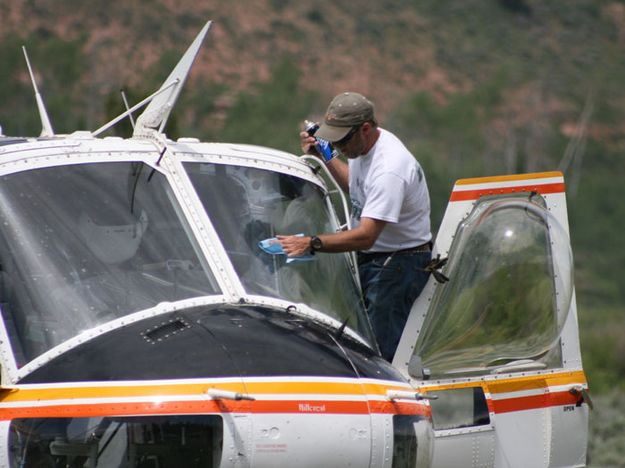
pixel 165 330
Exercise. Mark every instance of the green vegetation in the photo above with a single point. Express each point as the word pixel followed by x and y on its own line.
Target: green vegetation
pixel 59 65
pixel 603 346
pixel 271 114
pixel 607 426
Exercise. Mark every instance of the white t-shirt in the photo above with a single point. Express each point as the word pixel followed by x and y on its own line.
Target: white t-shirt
pixel 388 184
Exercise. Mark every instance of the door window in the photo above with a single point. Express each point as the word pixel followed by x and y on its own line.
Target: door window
pixel 510 270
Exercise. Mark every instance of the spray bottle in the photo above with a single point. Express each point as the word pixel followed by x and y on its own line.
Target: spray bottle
pixel 324 147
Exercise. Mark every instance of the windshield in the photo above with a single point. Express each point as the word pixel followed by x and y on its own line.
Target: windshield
pixel 81 245
pixel 510 288
pixel 247 205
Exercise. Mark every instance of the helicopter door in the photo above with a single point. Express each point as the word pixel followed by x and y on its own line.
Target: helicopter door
pixel 497 343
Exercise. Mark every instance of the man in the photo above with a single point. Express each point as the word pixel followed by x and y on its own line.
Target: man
pixel 390 214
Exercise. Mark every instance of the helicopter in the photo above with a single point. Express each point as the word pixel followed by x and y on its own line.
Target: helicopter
pixel 143 324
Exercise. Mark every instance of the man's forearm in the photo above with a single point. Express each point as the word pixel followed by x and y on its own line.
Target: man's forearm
pixel 359 238
pixel 340 171
pixel 346 241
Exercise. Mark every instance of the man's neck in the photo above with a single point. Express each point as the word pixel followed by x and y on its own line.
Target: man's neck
pixel 375 135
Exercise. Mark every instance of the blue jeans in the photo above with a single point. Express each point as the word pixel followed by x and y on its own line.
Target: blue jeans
pixel 390 285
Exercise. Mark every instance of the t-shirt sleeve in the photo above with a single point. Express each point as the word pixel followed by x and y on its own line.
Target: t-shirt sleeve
pixel 384 198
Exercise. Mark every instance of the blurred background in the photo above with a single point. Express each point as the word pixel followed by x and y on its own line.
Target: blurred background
pixel 473 87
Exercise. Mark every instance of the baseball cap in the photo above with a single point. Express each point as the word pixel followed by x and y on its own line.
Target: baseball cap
pixel 344 112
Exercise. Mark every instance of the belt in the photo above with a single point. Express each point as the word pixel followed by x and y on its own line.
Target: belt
pixel 427 247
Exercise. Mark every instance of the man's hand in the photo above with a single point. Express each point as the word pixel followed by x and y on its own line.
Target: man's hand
pixel 308 144
pixel 358 238
pixel 295 246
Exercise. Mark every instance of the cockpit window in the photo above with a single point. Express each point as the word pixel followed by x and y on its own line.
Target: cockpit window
pixel 247 205
pixel 117 442
pixel 510 270
pixel 81 245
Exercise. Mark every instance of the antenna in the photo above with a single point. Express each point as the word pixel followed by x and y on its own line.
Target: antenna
pixel 123 115
pixel 157 112
pixel 132 120
pixel 46 126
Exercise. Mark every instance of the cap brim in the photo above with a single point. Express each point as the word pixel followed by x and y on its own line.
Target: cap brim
pixel 331 133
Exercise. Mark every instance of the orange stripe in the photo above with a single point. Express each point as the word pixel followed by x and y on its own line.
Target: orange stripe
pixel 543 189
pixel 212 406
pixel 340 407
pixel 508 178
pixel 490 405
pixel 534 402
pixel 517 384
pixel 120 409
pixel 310 407
pixel 278 407
pixel 395 407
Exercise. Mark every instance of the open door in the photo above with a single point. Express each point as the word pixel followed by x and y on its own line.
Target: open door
pixel 498 343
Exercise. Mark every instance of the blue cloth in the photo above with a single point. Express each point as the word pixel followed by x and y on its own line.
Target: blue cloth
pixel 390 284
pixel 273 247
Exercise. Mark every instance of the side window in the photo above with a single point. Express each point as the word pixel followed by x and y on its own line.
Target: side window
pixel 404 440
pixel 459 408
pixel 510 270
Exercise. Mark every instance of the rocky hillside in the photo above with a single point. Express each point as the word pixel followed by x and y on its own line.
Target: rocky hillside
pixel 120 42
pixel 542 56
pixel 335 46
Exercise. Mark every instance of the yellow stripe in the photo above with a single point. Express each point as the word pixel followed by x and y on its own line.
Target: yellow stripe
pixel 532 383
pixel 285 388
pixel 292 388
pixel 508 178
pixel 339 388
pixel 27 394
pixel 517 383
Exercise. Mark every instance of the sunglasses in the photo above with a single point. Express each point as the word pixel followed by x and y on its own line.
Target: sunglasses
pixel 343 141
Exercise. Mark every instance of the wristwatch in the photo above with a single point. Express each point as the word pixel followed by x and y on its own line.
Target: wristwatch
pixel 315 244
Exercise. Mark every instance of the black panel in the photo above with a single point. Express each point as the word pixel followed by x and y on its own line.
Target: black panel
pixel 11 140
pixel 370 365
pixel 224 341
pixel 405 441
